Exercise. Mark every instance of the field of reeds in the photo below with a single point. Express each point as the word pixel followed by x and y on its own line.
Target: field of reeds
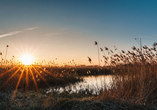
pixel 133 88
pixel 138 77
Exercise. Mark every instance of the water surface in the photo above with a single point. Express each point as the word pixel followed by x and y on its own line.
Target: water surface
pixel 92 84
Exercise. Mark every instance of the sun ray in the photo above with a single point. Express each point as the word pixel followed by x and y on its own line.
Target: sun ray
pixel 34 79
pixel 17 50
pixel 41 77
pixel 11 77
pixel 39 46
pixel 17 85
pixel 46 71
pixel 51 74
pixel 1 75
pixel 27 79
pixel 22 49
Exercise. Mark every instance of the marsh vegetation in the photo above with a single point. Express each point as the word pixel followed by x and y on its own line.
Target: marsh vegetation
pixel 133 85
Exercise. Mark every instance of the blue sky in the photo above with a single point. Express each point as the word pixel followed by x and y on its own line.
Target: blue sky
pixel 67 29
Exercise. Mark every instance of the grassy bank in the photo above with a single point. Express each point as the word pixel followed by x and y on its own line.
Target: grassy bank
pixel 63 101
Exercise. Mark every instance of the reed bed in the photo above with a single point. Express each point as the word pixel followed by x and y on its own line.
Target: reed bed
pixel 137 70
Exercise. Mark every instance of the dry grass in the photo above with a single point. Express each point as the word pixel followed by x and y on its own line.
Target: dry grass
pixel 137 70
pixel 35 77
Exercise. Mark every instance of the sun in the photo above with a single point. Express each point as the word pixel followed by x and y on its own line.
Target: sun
pixel 27 59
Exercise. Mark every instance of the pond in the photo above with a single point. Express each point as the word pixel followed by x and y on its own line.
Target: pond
pixel 91 84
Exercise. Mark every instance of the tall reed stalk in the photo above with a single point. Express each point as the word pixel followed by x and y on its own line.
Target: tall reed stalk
pixel 98 53
pixel 1 58
pixel 6 53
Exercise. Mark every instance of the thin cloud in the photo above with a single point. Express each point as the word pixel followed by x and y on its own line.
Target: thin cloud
pixel 16 32
pixel 32 28
pixel 10 34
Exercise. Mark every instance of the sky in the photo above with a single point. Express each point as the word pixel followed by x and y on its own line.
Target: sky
pixel 67 29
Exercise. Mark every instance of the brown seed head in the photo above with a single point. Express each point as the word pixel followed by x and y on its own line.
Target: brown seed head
pixel 111 51
pixel 134 48
pixel 145 47
pixel 115 48
pixel 155 44
pixel 153 49
pixel 101 49
pixel 96 43
pixel 89 59
pixel 123 51
pixel 106 48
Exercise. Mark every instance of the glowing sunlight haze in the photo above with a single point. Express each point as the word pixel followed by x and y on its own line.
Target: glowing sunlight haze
pixel 26 59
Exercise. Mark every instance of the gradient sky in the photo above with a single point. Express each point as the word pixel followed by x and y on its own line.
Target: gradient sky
pixel 67 29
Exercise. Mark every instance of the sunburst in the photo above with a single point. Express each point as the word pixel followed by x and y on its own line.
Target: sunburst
pixel 23 73
pixel 27 59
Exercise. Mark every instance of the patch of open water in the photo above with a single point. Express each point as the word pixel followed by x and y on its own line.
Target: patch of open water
pixel 91 84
